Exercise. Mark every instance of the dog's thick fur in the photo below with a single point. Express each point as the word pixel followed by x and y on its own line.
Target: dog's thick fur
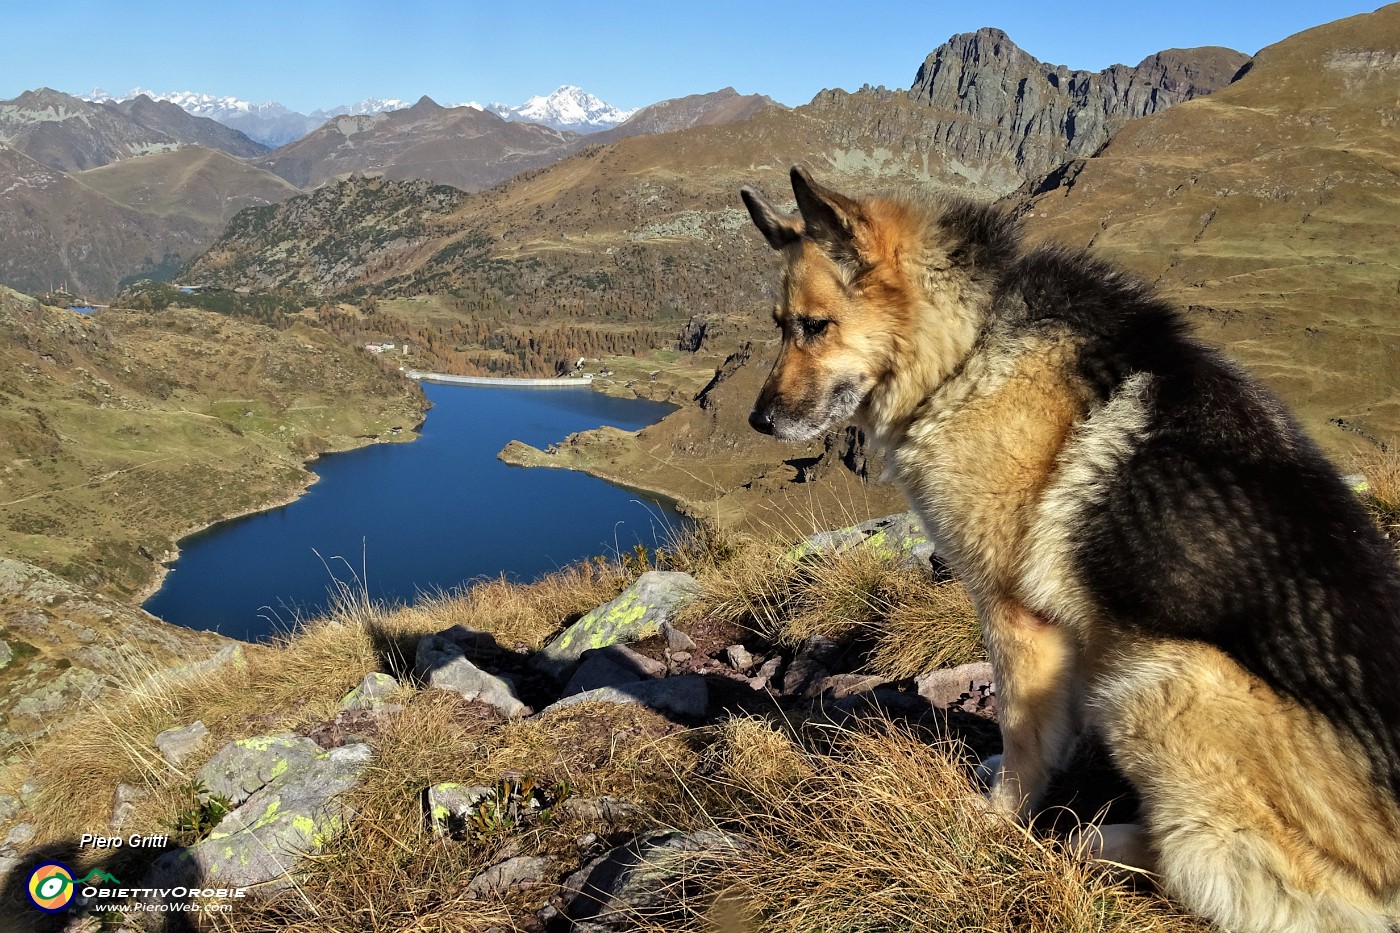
pixel 1155 548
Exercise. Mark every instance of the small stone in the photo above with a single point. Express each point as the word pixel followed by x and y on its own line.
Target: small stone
pixel 766 673
pixel 739 657
pixel 124 799
pixel 18 835
pixel 178 744
pixel 949 688
pixel 840 686
pixel 813 660
pixel 447 806
pixel 676 640
pixel 515 872
pixel 680 657
pixel 593 811
pixel 372 692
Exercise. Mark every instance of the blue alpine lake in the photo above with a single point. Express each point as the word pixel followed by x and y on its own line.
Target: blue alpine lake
pixel 401 520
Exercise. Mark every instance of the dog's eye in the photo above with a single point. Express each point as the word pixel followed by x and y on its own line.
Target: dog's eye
pixel 812 327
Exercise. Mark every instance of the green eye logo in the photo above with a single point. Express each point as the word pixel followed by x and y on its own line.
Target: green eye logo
pixel 50 887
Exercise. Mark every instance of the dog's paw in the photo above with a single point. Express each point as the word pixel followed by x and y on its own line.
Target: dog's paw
pixel 987 771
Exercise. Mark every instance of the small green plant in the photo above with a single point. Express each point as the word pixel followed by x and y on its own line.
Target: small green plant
pixel 514 804
pixel 200 813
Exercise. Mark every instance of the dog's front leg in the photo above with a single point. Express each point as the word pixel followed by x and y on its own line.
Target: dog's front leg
pixel 1036 667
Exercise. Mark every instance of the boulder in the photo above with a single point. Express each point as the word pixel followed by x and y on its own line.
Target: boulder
pixel 638 612
pixel 372 693
pixel 686 695
pixel 512 873
pixel 442 663
pixel 899 537
pixel 243 767
pixel 263 840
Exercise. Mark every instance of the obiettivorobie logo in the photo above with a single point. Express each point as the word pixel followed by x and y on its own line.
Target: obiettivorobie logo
pixel 51 885
pixel 52 888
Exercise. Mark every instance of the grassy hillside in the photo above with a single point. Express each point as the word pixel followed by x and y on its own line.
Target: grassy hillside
pixel 200 186
pixel 1268 210
pixel 127 430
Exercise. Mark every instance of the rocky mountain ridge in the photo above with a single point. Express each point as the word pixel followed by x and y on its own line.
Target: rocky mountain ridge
pixel 71 134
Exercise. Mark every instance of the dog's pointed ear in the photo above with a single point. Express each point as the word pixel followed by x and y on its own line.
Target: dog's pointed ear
pixel 778 229
pixel 828 218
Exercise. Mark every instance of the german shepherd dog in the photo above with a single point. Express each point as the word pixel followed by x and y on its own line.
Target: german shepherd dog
pixel 1155 549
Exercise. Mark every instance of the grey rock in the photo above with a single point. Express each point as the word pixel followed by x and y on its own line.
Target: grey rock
pixel 372 692
pixel 601 668
pixel 441 663
pixel 687 695
pixel 9 807
pixel 178 744
pixel 124 799
pixel 638 612
pixel 263 841
pixel 6 653
pixel 739 657
pixel 969 687
pixel 18 835
pixel 447 805
pixel 646 879
pixel 676 640
pixel 811 663
pixel 766 673
pixel 647 667
pixel 594 810
pixel 243 767
pixel 512 873
pixel 12 848
pixel 840 686
pixel 899 537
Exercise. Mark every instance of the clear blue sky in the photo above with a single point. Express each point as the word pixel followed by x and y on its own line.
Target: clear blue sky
pixel 317 53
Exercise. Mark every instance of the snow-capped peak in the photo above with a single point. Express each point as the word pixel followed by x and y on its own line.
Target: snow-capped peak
pixel 568 108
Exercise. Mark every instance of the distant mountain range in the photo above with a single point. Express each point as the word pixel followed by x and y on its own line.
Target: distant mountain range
pixel 273 125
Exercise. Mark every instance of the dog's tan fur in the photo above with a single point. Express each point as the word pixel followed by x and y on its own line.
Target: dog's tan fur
pixel 1259 813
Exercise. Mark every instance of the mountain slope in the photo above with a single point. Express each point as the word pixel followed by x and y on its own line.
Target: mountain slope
pixel 1269 206
pixel 189 129
pixel 714 109
pixel 201 186
pixel 463 147
pixel 1010 114
pixel 126 430
pixel 56 230
pixel 71 134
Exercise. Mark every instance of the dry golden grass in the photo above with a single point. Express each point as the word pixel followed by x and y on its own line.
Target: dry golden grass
pixel 868 832
pixel 915 624
pixel 388 871
pixel 882 833
pixel 518 615
pixel 1382 494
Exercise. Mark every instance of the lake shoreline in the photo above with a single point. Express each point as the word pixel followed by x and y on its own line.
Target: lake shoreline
pixel 432 519
pixel 309 478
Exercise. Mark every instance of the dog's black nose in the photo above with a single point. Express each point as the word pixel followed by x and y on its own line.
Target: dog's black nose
pixel 761 422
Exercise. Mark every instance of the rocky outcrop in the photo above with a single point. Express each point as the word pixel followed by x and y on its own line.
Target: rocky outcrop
pixel 998 103
pixel 638 612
